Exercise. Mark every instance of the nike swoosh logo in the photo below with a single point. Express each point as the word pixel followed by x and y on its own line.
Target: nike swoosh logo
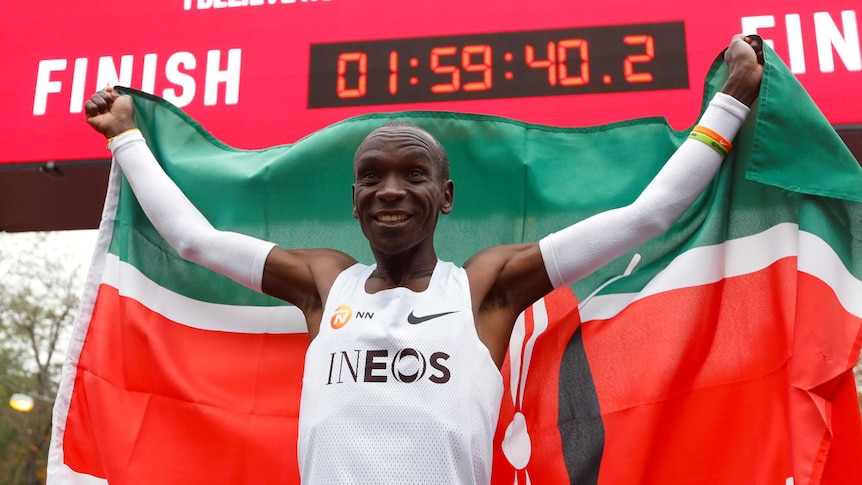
pixel 414 320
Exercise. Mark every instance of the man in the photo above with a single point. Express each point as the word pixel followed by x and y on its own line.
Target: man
pixel 441 328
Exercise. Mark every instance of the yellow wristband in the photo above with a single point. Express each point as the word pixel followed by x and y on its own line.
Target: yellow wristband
pixel 119 135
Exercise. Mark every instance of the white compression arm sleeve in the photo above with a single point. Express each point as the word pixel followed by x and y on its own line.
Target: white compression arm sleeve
pixel 234 255
pixel 580 249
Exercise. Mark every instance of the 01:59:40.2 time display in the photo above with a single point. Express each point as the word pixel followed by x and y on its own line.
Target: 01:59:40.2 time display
pixel 499 65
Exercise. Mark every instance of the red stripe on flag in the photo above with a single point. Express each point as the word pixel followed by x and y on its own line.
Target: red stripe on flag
pixel 159 402
pixel 736 329
pixel 843 464
pixel 693 382
pixel 718 397
pixel 827 341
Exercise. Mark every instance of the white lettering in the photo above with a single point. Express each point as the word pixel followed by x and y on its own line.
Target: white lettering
pixel 76 103
pixel 148 81
pixel 229 76
pixel 179 82
pixel 204 4
pixel 108 75
pixel 794 43
pixel 181 79
pixel 44 84
pixel 220 4
pixel 829 37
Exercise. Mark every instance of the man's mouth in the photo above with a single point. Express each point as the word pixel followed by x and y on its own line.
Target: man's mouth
pixel 391 218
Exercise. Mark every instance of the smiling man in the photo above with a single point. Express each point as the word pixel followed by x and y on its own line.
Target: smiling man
pixel 402 381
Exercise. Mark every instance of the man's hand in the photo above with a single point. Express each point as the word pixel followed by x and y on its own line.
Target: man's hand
pixel 109 113
pixel 744 58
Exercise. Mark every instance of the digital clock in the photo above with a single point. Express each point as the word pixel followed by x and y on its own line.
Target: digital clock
pixel 556 62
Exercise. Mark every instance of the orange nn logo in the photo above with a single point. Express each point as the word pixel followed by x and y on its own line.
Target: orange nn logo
pixel 341 316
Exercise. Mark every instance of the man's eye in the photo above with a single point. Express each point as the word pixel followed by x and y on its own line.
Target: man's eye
pixel 416 173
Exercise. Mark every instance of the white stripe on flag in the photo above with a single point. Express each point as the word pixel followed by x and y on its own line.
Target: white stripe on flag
pixel 736 257
pixel 818 259
pixel 199 314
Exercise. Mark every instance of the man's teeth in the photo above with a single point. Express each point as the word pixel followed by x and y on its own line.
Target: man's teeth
pixel 392 218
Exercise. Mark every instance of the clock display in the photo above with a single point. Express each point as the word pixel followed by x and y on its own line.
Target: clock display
pixel 556 62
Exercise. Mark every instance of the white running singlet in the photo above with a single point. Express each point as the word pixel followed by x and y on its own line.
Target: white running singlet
pixel 397 387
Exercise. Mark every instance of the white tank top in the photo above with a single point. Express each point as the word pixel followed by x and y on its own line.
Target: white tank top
pixel 397 387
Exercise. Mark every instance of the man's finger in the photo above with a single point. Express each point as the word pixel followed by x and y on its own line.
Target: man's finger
pixel 108 96
pixel 90 108
pixel 756 43
pixel 101 100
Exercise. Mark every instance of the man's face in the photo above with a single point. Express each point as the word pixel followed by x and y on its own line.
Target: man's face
pixel 398 190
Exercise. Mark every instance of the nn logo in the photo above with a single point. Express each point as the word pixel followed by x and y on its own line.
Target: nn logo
pixel 342 315
pixel 405 365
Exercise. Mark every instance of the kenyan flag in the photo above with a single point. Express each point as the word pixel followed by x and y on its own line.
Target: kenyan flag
pixel 721 352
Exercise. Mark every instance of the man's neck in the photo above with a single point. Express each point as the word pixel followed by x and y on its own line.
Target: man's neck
pixel 407 271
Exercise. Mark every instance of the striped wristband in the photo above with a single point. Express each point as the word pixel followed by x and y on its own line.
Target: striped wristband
pixel 711 138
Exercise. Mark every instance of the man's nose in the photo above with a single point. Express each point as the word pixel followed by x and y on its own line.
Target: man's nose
pixel 391 188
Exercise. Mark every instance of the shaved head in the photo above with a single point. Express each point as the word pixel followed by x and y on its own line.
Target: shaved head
pixel 436 153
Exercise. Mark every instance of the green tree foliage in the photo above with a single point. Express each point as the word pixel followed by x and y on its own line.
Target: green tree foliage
pixel 40 285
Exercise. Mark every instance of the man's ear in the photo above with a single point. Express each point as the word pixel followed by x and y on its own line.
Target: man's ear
pixel 448 197
pixel 353 198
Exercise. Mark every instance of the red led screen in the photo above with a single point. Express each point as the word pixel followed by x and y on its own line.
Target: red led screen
pixel 263 72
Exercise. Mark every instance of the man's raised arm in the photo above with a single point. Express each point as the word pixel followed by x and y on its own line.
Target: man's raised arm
pixel 582 248
pixel 237 256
